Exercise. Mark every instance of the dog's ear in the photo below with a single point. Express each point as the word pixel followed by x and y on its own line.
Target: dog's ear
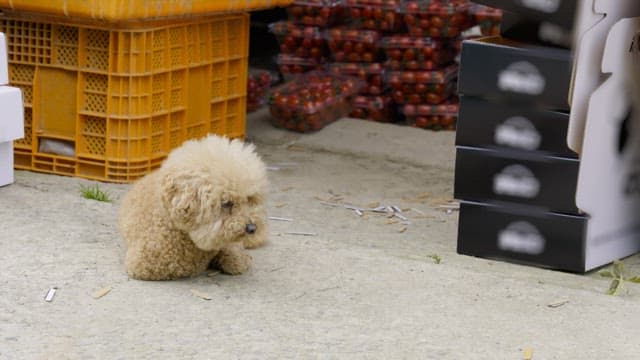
pixel 188 197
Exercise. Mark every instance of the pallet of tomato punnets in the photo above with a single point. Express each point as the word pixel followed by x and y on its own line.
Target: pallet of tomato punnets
pixel 357 51
pixel 302 39
pixel 312 101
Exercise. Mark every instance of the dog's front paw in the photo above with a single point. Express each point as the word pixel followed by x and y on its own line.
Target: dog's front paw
pixel 233 260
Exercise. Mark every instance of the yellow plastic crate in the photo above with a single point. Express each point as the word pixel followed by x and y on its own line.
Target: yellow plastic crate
pixel 110 103
pixel 132 10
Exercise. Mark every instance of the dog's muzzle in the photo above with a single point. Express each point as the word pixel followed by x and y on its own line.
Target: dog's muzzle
pixel 251 228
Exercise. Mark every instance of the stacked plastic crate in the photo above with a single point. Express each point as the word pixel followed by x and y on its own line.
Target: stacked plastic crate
pixel 110 90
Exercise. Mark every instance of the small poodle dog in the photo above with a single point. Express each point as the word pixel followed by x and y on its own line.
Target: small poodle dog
pixel 200 209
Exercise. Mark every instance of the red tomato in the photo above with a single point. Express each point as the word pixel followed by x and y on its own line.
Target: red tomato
pixel 410 20
pixel 369 24
pixel 414 99
pixel 408 77
pixel 423 77
pixel 354 57
pixel 413 65
pixel 368 57
pixel 427 52
pixel 378 13
pixel 421 88
pixel 409 110
pixel 395 81
pixel 376 80
pixel 434 99
pixel 409 54
pixel 421 121
pixel 398 97
pixel 437 21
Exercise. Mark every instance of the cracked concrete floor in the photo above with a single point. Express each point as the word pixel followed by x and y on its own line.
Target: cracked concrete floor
pixel 363 287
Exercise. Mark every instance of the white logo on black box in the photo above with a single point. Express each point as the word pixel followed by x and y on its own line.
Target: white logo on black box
pixel 554 34
pixel 517 132
pixel 521 237
pixel 521 77
pixel 516 180
pixel 548 6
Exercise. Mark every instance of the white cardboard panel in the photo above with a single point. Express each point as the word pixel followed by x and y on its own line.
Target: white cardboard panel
pixel 4 71
pixel 12 114
pixel 593 24
pixel 609 177
pixel 6 163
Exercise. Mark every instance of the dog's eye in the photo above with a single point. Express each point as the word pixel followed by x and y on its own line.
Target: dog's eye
pixel 227 205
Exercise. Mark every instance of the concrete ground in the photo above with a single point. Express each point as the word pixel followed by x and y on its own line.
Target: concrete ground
pixel 362 288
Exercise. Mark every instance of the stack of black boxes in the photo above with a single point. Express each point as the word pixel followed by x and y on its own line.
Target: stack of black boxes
pixel 515 176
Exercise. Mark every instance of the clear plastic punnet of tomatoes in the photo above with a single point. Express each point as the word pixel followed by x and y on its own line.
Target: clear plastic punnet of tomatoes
pixel 376 108
pixel 312 100
pixel 259 82
pixel 418 53
pixel 380 15
pixel 487 18
pixel 433 117
pixel 291 66
pixel 430 87
pixel 348 44
pixel 436 18
pixel 371 73
pixel 300 41
pixel 322 13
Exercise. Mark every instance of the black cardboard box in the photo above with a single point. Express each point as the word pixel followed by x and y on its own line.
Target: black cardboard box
pixel 522 29
pixel 523 235
pixel 495 125
pixel 498 68
pixel 559 12
pixel 547 182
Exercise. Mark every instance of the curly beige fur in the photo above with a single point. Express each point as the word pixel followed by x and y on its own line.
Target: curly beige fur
pixel 198 210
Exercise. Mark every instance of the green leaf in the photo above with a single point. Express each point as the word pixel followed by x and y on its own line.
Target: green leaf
pixel 635 279
pixel 618 268
pixel 608 274
pixel 436 258
pixel 94 193
pixel 615 286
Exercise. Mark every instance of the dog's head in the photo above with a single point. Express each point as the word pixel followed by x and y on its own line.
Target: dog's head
pixel 214 189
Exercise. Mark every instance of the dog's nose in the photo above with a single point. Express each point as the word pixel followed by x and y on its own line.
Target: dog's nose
pixel 250 228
